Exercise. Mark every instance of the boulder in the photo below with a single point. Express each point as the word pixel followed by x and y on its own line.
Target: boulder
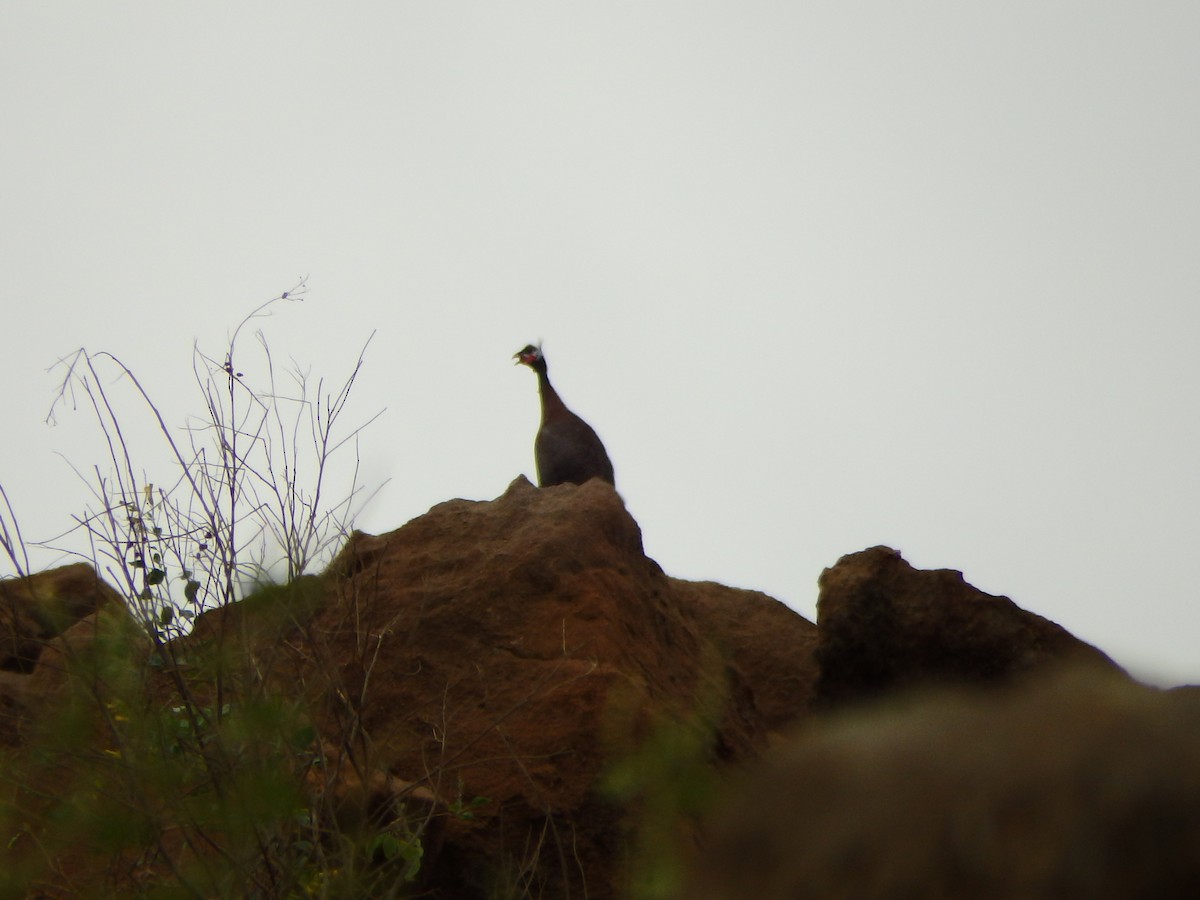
pixel 502 656
pixel 883 625
pixel 770 643
pixel 89 650
pixel 43 619
pixel 38 607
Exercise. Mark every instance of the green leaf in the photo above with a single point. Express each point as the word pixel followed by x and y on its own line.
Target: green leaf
pixel 155 576
pixel 386 845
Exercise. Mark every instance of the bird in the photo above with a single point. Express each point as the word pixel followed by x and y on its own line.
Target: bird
pixel 566 449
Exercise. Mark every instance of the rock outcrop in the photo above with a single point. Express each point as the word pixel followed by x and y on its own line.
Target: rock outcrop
pixel 40 607
pixel 770 644
pixel 506 671
pixel 44 618
pixel 884 626
pixel 502 655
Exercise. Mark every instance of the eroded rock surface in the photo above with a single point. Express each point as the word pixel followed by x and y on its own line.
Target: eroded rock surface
pixel 44 619
pixel 884 626
pixel 42 606
pixel 487 667
pixel 504 654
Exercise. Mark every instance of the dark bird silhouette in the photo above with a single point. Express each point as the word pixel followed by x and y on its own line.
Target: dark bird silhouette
pixel 566 449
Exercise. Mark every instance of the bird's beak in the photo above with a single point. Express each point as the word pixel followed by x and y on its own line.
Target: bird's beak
pixel 517 358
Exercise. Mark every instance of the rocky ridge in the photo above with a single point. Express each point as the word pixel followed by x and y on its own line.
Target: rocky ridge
pixel 507 657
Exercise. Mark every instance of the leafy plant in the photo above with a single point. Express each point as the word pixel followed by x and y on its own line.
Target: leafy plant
pixel 245 491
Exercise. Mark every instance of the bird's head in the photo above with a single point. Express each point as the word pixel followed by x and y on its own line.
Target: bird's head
pixel 530 355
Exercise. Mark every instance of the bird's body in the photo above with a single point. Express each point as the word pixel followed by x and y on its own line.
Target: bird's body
pixel 566 449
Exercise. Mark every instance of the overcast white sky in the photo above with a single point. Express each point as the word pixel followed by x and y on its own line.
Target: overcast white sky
pixel 822 276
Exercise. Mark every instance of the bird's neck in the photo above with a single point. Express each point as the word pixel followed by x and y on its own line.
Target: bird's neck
pixel 552 405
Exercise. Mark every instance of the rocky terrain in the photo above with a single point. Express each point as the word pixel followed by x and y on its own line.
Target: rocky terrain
pixel 551 715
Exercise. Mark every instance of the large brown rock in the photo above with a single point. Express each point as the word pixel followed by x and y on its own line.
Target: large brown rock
pixel 1076 784
pixel 87 650
pixel 43 618
pixel 504 655
pixel 884 625
pixel 38 607
pixel 772 646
